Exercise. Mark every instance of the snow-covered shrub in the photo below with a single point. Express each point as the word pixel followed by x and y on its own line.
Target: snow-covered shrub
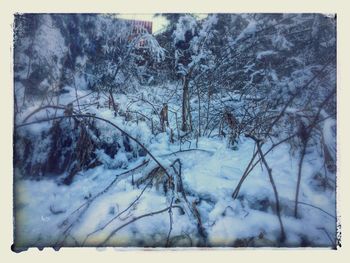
pixel 69 146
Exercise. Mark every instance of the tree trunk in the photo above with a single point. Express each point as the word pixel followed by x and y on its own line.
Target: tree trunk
pixel 185 105
pixel 115 108
pixel 30 57
pixel 199 112
pixel 164 117
pixel 208 111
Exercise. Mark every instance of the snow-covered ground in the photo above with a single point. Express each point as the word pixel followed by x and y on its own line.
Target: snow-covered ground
pixel 52 214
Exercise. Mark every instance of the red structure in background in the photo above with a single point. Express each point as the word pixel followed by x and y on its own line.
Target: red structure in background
pixel 139 27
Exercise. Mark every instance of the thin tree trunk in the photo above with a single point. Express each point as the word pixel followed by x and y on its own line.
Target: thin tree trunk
pixel 115 108
pixel 189 114
pixel 299 179
pixel 208 110
pixel 76 94
pixel 15 103
pixel 185 105
pixel 278 208
pixel 30 57
pixel 199 112
pixel 269 171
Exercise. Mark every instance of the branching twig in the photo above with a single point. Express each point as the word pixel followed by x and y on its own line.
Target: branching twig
pixel 269 170
pixel 170 222
pixel 119 214
pixel 316 207
pixel 249 170
pixel 43 108
pixel 244 176
pixel 307 136
pixel 136 219
pixel 87 204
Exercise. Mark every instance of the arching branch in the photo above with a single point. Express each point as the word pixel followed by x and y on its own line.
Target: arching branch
pixel 106 121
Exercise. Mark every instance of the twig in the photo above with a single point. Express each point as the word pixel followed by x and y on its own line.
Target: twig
pixel 327 234
pixel 136 219
pixel 43 108
pixel 170 222
pixel 186 150
pixel 87 204
pixel 76 94
pixel 244 176
pixel 303 151
pixel 119 214
pixel 308 131
pixel 299 89
pixel 267 152
pixel 316 207
pixel 79 98
pixel 269 170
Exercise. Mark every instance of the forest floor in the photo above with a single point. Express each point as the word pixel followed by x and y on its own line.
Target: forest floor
pixel 104 207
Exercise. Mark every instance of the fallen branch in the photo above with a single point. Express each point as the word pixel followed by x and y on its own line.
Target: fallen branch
pixel 186 150
pixel 192 208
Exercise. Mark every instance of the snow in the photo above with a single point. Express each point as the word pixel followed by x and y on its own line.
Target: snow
pixel 211 173
pixel 265 53
pixel 50 42
pixel 106 198
pixel 186 23
pixel 208 23
pixel 329 136
pixel 250 29
pixel 119 160
pixel 280 42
